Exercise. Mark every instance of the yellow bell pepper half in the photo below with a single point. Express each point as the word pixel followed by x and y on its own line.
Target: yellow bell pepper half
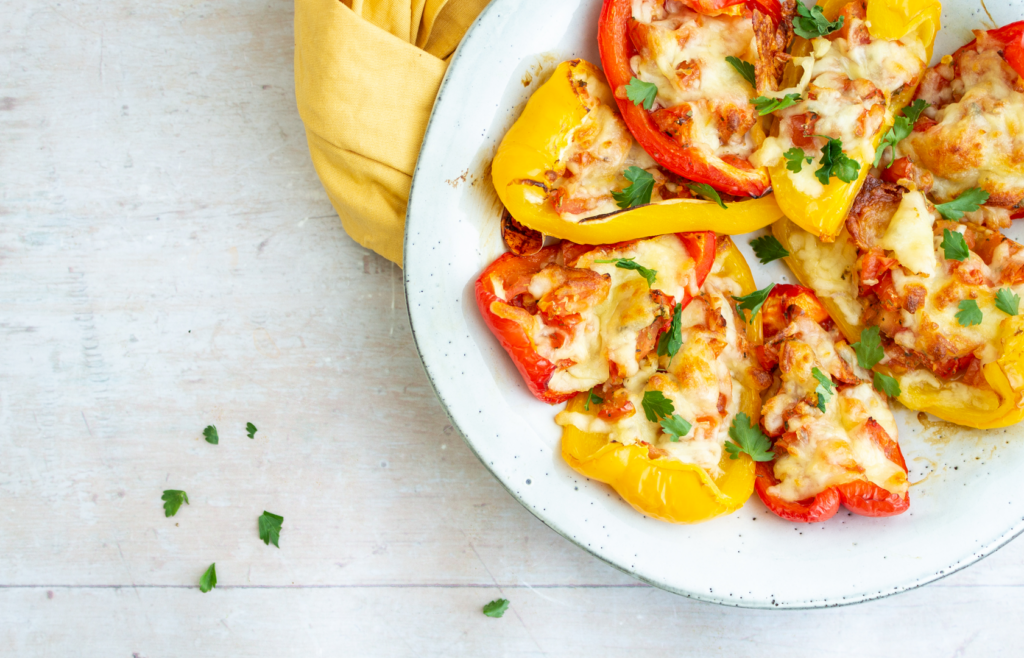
pixel 999 404
pixel 888 19
pixel 667 489
pixel 533 145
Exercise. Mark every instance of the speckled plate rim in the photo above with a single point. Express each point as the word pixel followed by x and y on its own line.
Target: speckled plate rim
pixel 495 8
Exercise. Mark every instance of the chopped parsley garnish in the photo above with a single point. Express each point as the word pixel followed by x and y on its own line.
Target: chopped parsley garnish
pixel 676 427
pixel 795 159
pixel 811 23
pixel 868 348
pixel 630 264
pixel 754 301
pixel 969 313
pixel 591 397
pixel 825 389
pixel 656 406
pixel 270 528
pixel 887 385
pixel 211 435
pixel 968 201
pixel 251 430
pixel 767 249
pixel 638 193
pixel 747 437
pixel 672 340
pixel 836 163
pixel 706 191
pixel 496 608
pixel 954 246
pixel 209 579
pixel 173 498
pixel 765 105
pixel 901 129
pixel 745 69
pixel 642 93
pixel 1008 301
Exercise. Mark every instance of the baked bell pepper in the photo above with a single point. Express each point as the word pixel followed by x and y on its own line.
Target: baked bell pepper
pixel 616 47
pixel 504 315
pixel 668 489
pixel 999 403
pixel 1012 38
pixel 859 496
pixel 887 19
pixel 533 146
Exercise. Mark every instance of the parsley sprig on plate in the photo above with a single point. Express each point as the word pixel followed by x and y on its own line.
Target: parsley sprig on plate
pixel 747 437
pixel 638 192
pixel 657 406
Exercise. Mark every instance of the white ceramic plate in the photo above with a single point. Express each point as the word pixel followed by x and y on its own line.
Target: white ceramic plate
pixel 967 499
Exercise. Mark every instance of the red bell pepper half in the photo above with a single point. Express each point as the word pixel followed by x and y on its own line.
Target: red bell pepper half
pixel 1012 38
pixel 616 48
pixel 860 496
pixel 513 274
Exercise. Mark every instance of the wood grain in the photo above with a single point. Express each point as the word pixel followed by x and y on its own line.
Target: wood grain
pixel 168 260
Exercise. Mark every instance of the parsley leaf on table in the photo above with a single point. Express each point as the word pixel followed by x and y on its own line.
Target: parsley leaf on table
pixel 869 348
pixel 747 437
pixel 496 608
pixel 836 163
pixel 173 498
pixel 656 405
pixel 968 201
pixel 969 313
pixel 811 23
pixel 251 430
pixel 767 249
pixel 209 579
pixel 754 301
pixel 630 264
pixel 706 191
pixel 795 159
pixel 765 105
pixel 825 389
pixel 642 93
pixel 270 528
pixel 887 385
pixel 745 69
pixel 672 340
pixel 901 129
pixel 211 435
pixel 1008 301
pixel 638 193
pixel 676 427
pixel 954 246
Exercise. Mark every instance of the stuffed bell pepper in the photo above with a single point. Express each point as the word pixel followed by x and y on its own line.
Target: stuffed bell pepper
pixel 834 435
pixel 686 75
pixel 968 139
pixel 855 66
pixel 569 168
pixel 936 301
pixel 573 316
pixel 672 437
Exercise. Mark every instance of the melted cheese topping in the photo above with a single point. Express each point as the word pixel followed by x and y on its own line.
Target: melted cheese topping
pixel 704 387
pixel 830 268
pixel 909 235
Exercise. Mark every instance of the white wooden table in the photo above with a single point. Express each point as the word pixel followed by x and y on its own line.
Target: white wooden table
pixel 169 260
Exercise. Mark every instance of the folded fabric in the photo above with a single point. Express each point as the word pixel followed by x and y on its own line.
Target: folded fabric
pixel 366 75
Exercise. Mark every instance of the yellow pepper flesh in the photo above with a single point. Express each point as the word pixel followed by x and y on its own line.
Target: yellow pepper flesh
pixel 667 489
pixel 533 145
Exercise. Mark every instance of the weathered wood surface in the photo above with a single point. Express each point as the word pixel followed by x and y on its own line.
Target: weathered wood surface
pixel 168 260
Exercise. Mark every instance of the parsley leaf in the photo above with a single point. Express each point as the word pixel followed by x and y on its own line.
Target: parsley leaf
pixel 642 93
pixel 672 340
pixel 795 158
pixel 836 163
pixel 630 264
pixel 496 608
pixel 754 300
pixel 173 498
pixel 656 405
pixel 270 528
pixel 251 430
pixel 954 246
pixel 1007 301
pixel 811 23
pixel 211 435
pixel 825 388
pixel 747 437
pixel 901 129
pixel 969 313
pixel 868 348
pixel 765 105
pixel 887 385
pixel 706 191
pixel 746 69
pixel 638 193
pixel 968 201
pixel 768 249
pixel 209 579
pixel 676 427
pixel 591 397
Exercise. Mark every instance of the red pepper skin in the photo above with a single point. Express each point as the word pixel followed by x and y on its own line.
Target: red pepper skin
pixel 535 369
pixel 616 48
pixel 1012 38
pixel 860 496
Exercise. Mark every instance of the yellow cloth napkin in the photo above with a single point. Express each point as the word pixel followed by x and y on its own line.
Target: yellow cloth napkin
pixel 366 74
